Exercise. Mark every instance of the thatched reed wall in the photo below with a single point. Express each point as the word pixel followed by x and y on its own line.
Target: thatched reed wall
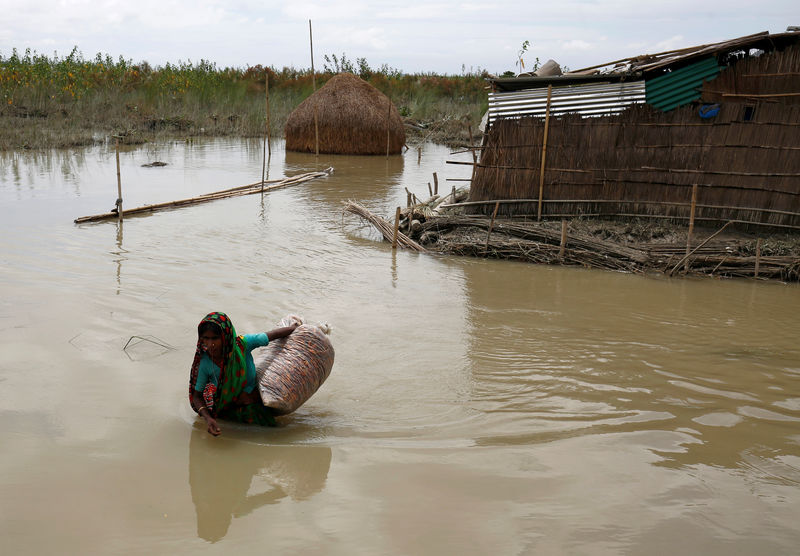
pixel 643 162
pixel 774 76
pixel 353 117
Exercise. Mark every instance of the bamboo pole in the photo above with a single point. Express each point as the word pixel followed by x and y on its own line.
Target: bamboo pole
pixel 396 227
pixel 544 150
pixel 430 189
pixel 472 145
pixel 491 225
pixel 119 182
pixel 388 115
pixel 435 184
pixel 634 201
pixel 267 146
pixel 314 87
pixel 758 257
pixel 691 226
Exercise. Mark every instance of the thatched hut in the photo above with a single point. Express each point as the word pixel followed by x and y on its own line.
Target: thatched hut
pixel 353 117
pixel 706 134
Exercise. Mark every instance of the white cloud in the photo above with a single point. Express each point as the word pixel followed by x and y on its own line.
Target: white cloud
pixel 576 44
pixel 672 43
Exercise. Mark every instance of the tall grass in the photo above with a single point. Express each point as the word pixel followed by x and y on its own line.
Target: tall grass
pixel 61 101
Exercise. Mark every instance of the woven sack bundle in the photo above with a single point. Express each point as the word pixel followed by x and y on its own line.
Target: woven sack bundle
pixel 289 370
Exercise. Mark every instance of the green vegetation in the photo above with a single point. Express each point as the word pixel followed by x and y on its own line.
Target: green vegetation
pixel 65 101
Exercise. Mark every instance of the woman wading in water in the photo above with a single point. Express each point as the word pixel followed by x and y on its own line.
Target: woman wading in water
pixel 222 383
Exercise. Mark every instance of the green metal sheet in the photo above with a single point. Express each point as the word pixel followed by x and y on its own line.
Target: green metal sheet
pixel 669 91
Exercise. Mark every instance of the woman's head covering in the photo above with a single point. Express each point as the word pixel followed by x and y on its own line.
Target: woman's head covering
pixel 232 371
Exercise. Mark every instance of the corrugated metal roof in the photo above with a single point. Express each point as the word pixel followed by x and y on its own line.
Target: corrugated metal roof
pixel 586 100
pixel 653 65
pixel 681 86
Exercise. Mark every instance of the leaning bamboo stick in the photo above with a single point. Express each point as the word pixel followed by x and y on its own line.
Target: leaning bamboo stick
pixel 709 238
pixel 217 195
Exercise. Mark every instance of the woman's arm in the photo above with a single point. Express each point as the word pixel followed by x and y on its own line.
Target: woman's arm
pixel 213 427
pixel 281 332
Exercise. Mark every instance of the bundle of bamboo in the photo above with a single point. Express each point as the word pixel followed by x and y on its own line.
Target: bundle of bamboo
pixel 387 230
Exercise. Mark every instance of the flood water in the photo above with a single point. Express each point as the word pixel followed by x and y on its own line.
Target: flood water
pixel 475 407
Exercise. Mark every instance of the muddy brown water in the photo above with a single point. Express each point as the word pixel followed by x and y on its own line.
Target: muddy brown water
pixel 475 406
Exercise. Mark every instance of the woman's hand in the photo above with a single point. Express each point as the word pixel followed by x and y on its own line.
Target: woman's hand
pixel 282 332
pixel 213 427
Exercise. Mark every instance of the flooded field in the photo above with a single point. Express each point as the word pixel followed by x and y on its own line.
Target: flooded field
pixel 474 407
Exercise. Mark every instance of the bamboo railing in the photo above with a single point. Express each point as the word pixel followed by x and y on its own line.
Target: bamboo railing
pixel 249 189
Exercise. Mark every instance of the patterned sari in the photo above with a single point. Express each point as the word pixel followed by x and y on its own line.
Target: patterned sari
pixel 222 401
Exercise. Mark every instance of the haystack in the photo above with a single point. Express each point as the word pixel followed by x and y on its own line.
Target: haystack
pixel 353 117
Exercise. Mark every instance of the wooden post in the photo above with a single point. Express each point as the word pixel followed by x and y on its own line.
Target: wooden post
pixel 472 145
pixel 430 189
pixel 419 155
pixel 408 198
pixel 269 131
pixel 491 225
pixel 266 133
pixel 544 150
pixel 691 227
pixel 435 184
pixel 388 116
pixel 396 227
pixel 453 195
pixel 314 86
pixel 758 257
pixel 119 183
pixel 563 238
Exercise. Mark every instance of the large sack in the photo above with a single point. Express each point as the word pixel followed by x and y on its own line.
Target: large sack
pixel 289 370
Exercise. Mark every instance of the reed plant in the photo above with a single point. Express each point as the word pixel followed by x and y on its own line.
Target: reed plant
pixel 52 101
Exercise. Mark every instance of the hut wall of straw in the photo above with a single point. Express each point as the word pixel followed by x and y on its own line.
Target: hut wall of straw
pixel 353 117
pixel 745 160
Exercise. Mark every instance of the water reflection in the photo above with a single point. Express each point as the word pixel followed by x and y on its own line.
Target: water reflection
pixel 27 168
pixel 371 180
pixel 222 472
pixel 119 256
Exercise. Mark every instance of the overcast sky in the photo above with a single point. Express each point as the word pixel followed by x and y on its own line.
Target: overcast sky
pixel 445 37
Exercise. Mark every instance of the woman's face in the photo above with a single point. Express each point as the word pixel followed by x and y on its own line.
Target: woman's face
pixel 212 343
